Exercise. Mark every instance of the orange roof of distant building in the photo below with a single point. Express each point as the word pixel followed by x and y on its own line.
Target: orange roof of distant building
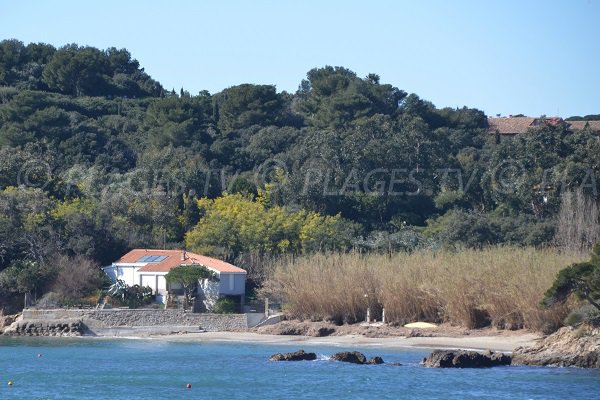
pixel 173 258
pixel 510 125
pixel 594 125
pixel 517 125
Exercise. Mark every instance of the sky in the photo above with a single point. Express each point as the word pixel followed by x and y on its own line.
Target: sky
pixel 532 57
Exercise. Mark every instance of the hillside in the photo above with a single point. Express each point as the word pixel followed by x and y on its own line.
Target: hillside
pixel 96 157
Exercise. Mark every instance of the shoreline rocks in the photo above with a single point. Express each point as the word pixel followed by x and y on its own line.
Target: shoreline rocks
pixel 567 347
pixel 465 359
pixel 7 320
pixel 65 327
pixel 356 357
pixel 299 355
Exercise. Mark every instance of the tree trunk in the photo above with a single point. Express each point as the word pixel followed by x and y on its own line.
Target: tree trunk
pixel 592 302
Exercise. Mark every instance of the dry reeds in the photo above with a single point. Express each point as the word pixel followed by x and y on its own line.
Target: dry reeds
pixel 471 288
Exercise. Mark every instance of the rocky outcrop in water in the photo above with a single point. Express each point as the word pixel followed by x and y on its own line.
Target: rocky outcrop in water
pixel 377 360
pixel 355 357
pixel 299 355
pixel 567 347
pixel 465 359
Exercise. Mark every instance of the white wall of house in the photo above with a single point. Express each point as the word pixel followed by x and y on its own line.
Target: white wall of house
pixel 129 273
pixel 125 272
pixel 229 283
pixel 161 283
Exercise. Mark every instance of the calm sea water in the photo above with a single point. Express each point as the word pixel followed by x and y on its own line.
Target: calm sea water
pixel 85 368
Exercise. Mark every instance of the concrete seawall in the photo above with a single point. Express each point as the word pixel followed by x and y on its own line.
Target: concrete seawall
pixel 121 322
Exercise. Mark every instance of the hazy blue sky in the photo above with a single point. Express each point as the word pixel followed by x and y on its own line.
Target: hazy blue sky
pixel 507 57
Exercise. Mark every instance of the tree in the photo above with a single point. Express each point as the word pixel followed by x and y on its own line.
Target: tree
pixel 10 57
pixel 579 279
pixel 335 97
pixel 178 121
pixel 25 276
pixel 188 277
pixel 233 225
pixel 78 71
pixel 245 105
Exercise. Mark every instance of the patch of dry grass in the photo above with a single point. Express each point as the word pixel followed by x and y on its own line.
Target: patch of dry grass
pixel 472 288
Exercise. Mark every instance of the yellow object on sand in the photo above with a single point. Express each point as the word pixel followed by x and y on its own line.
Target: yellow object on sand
pixel 421 325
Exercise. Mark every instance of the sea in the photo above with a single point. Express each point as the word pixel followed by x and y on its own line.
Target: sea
pixel 91 368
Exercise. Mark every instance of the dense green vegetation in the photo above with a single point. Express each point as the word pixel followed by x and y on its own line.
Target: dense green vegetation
pixel 97 158
pixel 579 279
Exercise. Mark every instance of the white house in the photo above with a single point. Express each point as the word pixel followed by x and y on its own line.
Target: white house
pixel 146 267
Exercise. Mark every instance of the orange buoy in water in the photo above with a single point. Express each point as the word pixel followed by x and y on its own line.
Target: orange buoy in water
pixel 188 386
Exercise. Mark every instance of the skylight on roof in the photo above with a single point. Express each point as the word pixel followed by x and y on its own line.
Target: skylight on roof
pixel 152 259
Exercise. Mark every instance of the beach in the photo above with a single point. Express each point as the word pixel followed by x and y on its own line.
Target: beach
pixel 505 342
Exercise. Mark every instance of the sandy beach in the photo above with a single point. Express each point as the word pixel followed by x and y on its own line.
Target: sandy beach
pixel 505 343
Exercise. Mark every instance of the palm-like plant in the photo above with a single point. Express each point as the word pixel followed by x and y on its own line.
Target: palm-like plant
pixel 134 296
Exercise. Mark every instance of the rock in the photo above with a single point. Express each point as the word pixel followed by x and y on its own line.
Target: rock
pixel 464 359
pixel 320 330
pixel 375 360
pixel 354 357
pixel 7 320
pixel 315 329
pixel 299 355
pixel 66 327
pixel 567 347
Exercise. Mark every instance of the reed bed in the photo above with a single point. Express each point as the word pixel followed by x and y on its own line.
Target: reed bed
pixel 500 287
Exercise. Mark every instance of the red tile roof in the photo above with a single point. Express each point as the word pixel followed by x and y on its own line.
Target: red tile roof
pixel 594 125
pixel 517 125
pixel 511 125
pixel 174 259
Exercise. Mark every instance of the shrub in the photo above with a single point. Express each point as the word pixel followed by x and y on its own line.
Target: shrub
pixel 458 228
pixel 579 279
pixel 134 296
pixel 584 313
pixel 77 276
pixel 225 305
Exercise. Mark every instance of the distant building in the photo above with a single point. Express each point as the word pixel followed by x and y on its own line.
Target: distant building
pixel 593 125
pixel 511 126
pixel 146 267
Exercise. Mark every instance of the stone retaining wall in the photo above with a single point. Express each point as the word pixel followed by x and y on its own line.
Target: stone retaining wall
pixel 94 319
